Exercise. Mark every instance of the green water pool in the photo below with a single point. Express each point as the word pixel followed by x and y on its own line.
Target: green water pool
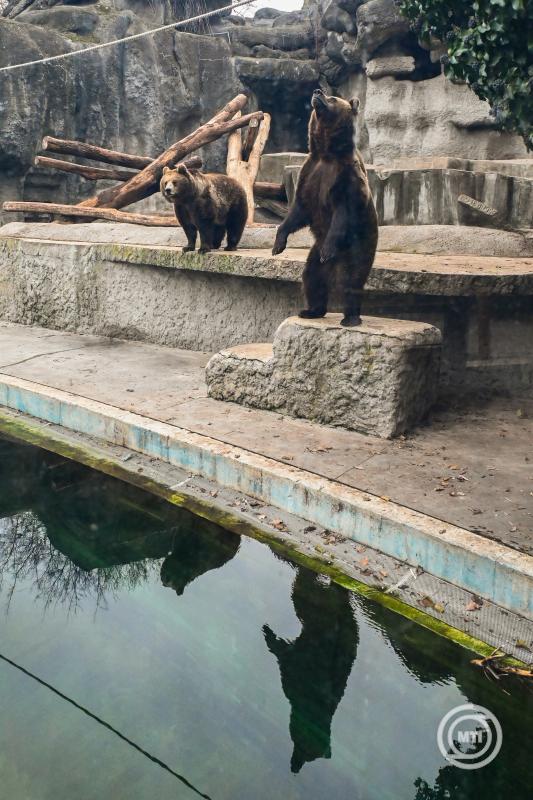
pixel 167 658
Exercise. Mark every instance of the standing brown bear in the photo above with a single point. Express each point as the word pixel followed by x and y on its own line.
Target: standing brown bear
pixel 333 197
pixel 211 203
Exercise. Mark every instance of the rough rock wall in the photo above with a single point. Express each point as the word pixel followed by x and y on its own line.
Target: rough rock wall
pixel 138 97
pixel 366 48
pixel 142 96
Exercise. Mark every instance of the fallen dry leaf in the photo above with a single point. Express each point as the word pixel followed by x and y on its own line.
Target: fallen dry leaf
pixel 318 449
pixel 427 602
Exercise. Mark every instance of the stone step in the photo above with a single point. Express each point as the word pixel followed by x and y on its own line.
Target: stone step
pixel 378 378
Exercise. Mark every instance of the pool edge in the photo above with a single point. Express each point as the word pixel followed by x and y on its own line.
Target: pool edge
pixel 477 564
pixel 29 430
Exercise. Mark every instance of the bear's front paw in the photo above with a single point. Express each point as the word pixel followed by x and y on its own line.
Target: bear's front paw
pixel 204 249
pixel 279 245
pixel 187 249
pixel 327 253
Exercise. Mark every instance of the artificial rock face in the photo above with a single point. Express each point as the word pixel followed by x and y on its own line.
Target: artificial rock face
pixel 142 96
pixel 366 48
pixel 136 98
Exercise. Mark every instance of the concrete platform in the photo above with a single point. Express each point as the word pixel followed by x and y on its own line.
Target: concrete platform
pixel 85 278
pixel 455 499
pixel 419 239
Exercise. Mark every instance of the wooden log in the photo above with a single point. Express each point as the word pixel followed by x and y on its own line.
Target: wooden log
pixel 146 182
pixel 70 147
pixel 98 173
pixel 249 140
pixel 270 191
pixel 90 173
pixel 246 171
pixel 274 206
pixel 53 209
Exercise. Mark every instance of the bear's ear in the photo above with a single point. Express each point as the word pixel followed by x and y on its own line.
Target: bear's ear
pixel 182 170
pixel 166 169
pixel 355 103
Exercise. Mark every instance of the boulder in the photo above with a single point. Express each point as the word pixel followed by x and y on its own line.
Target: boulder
pixel 378 21
pixel 435 117
pixel 338 19
pixel 64 19
pixel 394 65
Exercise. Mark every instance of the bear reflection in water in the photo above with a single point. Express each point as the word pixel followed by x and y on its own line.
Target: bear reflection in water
pixel 193 555
pixel 324 651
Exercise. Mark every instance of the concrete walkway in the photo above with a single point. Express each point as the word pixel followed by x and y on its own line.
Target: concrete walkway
pixel 472 468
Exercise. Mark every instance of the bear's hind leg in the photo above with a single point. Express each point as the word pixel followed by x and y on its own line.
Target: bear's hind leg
pixel 236 223
pixel 218 235
pixel 188 228
pixel 353 282
pixel 315 286
pixel 207 232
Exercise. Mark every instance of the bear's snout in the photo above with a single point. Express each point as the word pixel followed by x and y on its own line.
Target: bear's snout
pixel 168 189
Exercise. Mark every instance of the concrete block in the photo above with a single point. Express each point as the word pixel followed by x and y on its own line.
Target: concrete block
pixel 272 165
pixel 379 378
pixel 428 196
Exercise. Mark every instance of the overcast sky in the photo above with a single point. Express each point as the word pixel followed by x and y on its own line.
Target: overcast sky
pixel 285 5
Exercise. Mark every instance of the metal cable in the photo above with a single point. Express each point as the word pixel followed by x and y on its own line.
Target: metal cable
pixel 125 39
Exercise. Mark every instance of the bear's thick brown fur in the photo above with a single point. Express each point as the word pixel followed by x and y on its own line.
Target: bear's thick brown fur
pixel 333 197
pixel 209 203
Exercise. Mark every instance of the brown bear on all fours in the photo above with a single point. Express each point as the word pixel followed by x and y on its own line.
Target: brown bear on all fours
pixel 333 197
pixel 209 203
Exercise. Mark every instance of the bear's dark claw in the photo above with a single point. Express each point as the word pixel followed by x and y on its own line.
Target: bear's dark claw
pixel 310 313
pixel 351 322
pixel 279 247
pixel 327 255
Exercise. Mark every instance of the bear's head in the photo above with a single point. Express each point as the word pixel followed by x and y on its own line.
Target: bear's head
pixel 180 184
pixel 332 125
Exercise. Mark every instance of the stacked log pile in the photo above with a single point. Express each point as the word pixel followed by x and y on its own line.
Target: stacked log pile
pixel 138 177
